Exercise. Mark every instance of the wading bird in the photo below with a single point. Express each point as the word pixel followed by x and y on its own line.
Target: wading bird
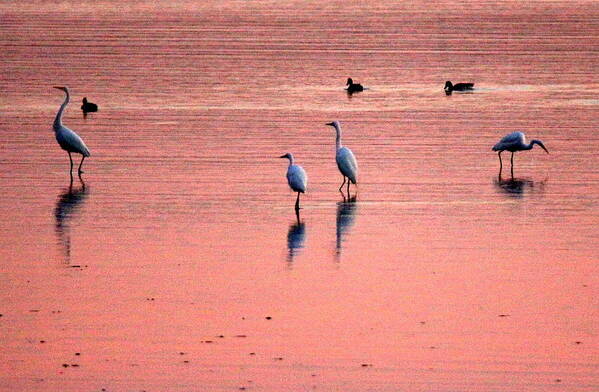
pixel 515 141
pixel 88 106
pixel 346 162
pixel 353 87
pixel 449 87
pixel 296 178
pixel 66 138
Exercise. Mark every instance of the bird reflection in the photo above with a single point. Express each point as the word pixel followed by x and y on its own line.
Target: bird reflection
pixel 69 201
pixel 296 236
pixel 346 212
pixel 515 187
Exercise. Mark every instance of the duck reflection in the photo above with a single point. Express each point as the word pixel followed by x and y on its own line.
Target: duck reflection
pixel 515 187
pixel 69 201
pixel 296 236
pixel 346 214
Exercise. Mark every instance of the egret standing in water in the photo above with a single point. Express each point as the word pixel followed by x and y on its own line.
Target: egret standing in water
pixel 515 141
pixel 346 161
pixel 296 178
pixel 66 138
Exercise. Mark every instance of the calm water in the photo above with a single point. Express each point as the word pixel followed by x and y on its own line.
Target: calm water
pixel 179 264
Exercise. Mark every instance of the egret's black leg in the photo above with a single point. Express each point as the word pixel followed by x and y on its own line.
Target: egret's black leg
pixel 512 161
pixel 343 183
pixel 297 202
pixel 82 158
pixel 348 182
pixel 500 163
pixel 71 159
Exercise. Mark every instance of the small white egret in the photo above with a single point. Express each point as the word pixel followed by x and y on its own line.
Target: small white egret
pixel 66 138
pixel 346 161
pixel 515 141
pixel 296 178
pixel 353 87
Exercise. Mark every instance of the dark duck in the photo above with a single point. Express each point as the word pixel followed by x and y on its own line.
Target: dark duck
pixel 449 87
pixel 353 87
pixel 88 106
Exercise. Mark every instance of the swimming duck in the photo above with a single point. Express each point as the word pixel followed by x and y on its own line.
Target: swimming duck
pixel 449 87
pixel 88 106
pixel 353 87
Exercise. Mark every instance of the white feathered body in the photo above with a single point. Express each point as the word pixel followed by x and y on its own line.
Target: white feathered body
pixel 347 164
pixel 70 141
pixel 515 141
pixel 297 178
pixel 67 138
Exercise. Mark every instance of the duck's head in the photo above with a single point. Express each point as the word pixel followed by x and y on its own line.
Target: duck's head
pixel 349 82
pixel 448 85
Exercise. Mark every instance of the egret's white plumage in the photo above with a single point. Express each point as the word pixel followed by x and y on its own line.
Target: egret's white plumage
pixel 296 177
pixel 346 161
pixel 515 141
pixel 67 138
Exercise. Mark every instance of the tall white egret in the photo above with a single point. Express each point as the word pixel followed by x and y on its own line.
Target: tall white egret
pixel 296 178
pixel 449 87
pixel 66 138
pixel 346 161
pixel 353 87
pixel 515 141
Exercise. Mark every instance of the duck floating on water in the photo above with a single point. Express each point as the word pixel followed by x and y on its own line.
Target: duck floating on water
pixel 88 106
pixel 449 87
pixel 353 87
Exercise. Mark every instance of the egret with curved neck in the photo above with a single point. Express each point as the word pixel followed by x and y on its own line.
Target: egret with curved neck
pixel 515 141
pixel 67 138
pixel 296 178
pixel 346 161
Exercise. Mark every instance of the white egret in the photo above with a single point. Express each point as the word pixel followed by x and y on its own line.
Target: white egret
pixel 88 106
pixel 353 87
pixel 296 178
pixel 449 87
pixel 346 161
pixel 66 138
pixel 515 141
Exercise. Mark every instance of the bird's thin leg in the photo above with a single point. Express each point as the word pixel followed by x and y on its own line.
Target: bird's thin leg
pixel 71 159
pixel 512 161
pixel 82 158
pixel 297 202
pixel 343 183
pixel 500 164
pixel 348 182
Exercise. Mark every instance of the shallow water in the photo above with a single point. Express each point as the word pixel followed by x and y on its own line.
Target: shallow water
pixel 182 238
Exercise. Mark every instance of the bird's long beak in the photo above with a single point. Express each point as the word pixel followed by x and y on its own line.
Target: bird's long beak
pixel 283 156
pixel 331 124
pixel 543 147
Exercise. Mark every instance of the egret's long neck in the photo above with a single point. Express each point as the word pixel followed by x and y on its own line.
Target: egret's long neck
pixel 58 119
pixel 290 160
pixel 338 139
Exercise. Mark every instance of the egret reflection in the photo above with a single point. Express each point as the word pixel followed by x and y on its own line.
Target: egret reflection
pixel 67 205
pixel 516 187
pixel 296 236
pixel 346 215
